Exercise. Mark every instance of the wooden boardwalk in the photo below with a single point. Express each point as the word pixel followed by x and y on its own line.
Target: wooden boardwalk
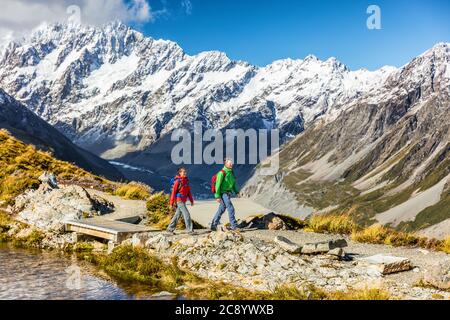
pixel 112 230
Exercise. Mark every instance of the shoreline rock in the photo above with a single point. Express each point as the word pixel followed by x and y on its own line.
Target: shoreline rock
pixel 48 208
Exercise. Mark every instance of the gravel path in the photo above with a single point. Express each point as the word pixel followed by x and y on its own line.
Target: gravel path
pixel 421 259
pixel 123 208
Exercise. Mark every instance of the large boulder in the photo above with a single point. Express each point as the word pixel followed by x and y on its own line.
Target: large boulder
pixel 269 221
pixel 48 209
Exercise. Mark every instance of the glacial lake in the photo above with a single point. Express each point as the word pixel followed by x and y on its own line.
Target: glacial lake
pixel 37 275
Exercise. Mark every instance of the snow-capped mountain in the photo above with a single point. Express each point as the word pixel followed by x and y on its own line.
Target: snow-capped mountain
pixel 381 134
pixel 29 128
pixel 385 158
pixel 116 92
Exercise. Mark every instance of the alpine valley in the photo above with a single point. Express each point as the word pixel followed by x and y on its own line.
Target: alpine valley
pixel 375 144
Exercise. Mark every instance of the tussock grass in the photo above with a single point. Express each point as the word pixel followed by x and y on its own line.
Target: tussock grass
pixel 341 224
pixel 375 234
pixel 159 214
pixel 5 222
pixel 378 234
pixel 33 240
pixel 361 294
pixel 446 245
pixel 134 191
pixel 128 264
pixel 22 164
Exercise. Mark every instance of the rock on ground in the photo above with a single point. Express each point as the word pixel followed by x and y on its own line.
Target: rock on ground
pixel 48 208
pixel 385 264
pixel 287 245
pixel 251 262
pixel 269 221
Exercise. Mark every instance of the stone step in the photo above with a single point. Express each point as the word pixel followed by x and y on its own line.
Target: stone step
pixel 385 264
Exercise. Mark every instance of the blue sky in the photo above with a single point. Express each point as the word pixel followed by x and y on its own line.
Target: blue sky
pixel 265 30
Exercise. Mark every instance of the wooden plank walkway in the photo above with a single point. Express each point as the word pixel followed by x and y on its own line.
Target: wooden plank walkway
pixel 112 230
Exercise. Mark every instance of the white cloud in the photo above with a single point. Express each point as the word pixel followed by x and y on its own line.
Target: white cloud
pixel 20 16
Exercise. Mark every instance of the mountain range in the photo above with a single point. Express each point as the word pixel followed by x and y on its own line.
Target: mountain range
pixel 24 125
pixel 385 158
pixel 374 143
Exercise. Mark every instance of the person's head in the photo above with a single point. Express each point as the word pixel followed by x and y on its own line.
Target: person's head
pixel 182 172
pixel 229 163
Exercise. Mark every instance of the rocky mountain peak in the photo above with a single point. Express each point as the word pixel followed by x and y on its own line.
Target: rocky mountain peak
pixel 115 91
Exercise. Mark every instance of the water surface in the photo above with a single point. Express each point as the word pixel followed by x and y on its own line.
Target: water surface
pixel 26 274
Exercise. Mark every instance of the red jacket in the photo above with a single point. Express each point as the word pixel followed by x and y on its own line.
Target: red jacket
pixel 181 191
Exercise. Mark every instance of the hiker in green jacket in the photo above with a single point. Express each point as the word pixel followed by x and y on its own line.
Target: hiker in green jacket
pixel 225 187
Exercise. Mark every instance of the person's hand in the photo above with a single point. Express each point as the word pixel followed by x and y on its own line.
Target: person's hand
pixel 171 206
pixel 238 195
pixel 192 204
pixel 218 200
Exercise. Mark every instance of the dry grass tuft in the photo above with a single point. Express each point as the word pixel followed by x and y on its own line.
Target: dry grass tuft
pixel 361 294
pixel 159 214
pixel 446 245
pixel 340 224
pixel 134 191
pixel 22 164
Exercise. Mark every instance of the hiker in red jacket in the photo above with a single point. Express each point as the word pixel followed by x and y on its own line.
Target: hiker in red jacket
pixel 181 192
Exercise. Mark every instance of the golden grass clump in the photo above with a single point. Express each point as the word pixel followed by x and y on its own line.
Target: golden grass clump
pixel 376 234
pixel 361 294
pixel 159 214
pixel 373 234
pixel 446 245
pixel 22 164
pixel 340 224
pixel 134 191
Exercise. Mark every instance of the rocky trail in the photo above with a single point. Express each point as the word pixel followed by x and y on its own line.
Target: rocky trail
pixel 123 208
pixel 253 258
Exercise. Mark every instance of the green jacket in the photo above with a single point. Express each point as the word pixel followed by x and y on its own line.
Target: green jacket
pixel 225 185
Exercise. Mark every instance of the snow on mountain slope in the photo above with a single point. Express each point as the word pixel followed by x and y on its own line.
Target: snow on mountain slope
pixel 29 128
pixel 384 157
pixel 115 91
